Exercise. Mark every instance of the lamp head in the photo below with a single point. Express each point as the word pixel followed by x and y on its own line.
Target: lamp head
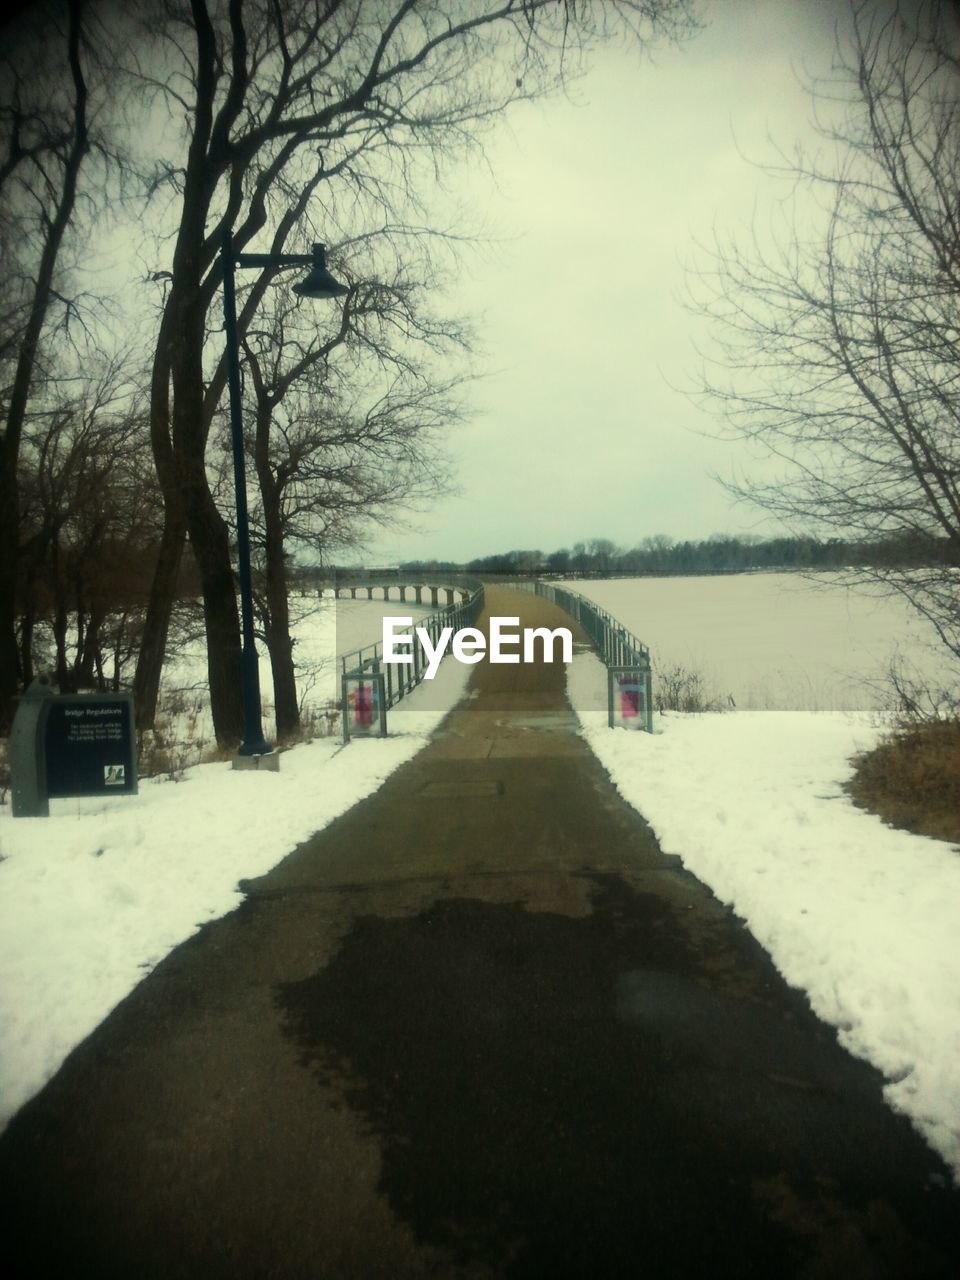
pixel 319 282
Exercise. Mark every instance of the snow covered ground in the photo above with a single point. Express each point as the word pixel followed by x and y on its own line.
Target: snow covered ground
pixel 861 917
pixel 93 897
pixel 323 629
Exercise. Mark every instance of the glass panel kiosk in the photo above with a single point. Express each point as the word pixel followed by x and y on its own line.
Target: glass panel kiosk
pixel 628 698
pixel 364 705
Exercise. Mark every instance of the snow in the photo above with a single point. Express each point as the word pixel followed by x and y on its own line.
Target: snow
pixel 94 896
pixel 359 622
pixel 323 629
pixel 861 917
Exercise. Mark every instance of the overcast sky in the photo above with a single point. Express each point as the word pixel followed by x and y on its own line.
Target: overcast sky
pixel 579 431
pixel 580 426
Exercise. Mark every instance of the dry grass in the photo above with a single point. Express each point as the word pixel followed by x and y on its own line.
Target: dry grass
pixel 317 720
pixel 679 689
pixel 912 779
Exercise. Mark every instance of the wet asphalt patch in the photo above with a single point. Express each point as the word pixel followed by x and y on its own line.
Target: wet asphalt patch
pixel 548 1100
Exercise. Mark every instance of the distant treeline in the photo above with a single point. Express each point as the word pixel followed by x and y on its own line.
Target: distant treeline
pixel 719 554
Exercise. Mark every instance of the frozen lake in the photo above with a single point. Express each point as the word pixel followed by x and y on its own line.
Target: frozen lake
pixel 323 629
pixel 360 622
pixel 775 641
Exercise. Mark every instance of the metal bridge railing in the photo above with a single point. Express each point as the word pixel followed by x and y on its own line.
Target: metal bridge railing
pixel 399 679
pixel 619 649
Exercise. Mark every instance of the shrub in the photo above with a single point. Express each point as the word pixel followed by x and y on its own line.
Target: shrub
pixel 677 689
pixel 912 778
pixel 910 699
pixel 317 721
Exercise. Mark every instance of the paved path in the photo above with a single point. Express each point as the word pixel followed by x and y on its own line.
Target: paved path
pixel 480 1026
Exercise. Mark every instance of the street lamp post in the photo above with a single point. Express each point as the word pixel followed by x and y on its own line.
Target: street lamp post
pixel 318 284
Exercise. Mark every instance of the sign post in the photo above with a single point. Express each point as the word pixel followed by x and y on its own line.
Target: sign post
pixel 28 767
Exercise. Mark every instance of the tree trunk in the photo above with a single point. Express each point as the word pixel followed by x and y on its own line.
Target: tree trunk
pixel 117 655
pixel 280 647
pixel 64 676
pixel 26 644
pixel 9 546
pixel 279 641
pixel 153 646
pixel 210 540
pixel 82 626
pixel 189 506
pixel 89 665
pixel 209 534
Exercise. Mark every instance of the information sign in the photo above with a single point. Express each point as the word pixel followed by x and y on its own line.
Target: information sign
pixel 90 745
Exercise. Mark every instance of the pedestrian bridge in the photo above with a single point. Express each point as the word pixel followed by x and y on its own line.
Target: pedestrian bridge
pixel 457 600
pixel 393 584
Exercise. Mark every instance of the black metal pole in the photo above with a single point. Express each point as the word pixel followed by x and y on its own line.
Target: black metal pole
pixel 253 743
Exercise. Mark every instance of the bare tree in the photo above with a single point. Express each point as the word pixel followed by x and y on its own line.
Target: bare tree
pixel 45 139
pixel 602 551
pixel 318 116
pixel 839 338
pixel 346 432
pixel 89 523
